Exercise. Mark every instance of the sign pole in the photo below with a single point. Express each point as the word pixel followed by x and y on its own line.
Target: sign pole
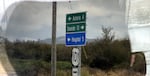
pixel 76 36
pixel 80 60
pixel 76 61
pixel 53 48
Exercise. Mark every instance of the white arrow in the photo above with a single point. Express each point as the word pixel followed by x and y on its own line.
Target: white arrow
pixel 69 18
pixel 68 39
pixel 82 27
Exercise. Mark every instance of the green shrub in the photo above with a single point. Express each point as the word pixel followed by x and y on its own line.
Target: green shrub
pixel 64 65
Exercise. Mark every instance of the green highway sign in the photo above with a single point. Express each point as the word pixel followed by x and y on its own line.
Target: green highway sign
pixel 78 27
pixel 76 17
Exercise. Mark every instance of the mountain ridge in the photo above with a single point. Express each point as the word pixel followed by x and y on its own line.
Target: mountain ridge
pixel 60 40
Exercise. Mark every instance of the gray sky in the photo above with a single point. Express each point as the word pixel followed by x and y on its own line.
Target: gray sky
pixel 32 20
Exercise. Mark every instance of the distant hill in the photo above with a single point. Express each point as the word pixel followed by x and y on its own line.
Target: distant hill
pixel 60 40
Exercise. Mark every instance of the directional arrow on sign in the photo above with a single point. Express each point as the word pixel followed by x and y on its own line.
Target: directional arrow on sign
pixel 82 27
pixel 68 39
pixel 69 18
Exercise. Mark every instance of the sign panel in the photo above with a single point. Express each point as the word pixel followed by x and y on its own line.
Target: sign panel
pixel 76 17
pixel 75 57
pixel 78 27
pixel 75 39
pixel 75 71
pixel 75 29
pixel 76 61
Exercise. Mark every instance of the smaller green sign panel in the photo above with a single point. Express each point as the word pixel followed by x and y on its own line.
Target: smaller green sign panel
pixel 76 17
pixel 78 27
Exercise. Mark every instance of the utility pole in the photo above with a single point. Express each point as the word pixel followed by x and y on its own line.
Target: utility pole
pixel 53 48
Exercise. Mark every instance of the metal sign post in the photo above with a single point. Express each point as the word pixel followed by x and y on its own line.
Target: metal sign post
pixel 76 36
pixel 53 49
pixel 80 61
pixel 76 61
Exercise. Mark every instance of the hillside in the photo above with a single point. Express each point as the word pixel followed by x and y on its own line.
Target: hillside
pixel 60 40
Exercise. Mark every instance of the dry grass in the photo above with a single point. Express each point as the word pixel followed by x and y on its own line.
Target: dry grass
pixel 97 72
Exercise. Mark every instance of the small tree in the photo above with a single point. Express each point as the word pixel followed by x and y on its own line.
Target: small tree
pixel 101 57
pixel 107 34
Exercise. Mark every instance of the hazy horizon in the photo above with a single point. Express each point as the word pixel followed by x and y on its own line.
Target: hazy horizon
pixel 32 20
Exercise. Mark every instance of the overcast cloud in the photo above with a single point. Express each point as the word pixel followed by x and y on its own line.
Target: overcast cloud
pixel 32 20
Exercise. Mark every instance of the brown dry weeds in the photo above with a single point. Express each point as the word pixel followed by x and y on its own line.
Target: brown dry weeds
pixel 117 72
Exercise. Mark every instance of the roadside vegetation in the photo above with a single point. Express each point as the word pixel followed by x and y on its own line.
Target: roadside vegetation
pixel 106 56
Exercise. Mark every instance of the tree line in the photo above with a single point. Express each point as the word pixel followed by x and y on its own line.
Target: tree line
pixel 104 53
